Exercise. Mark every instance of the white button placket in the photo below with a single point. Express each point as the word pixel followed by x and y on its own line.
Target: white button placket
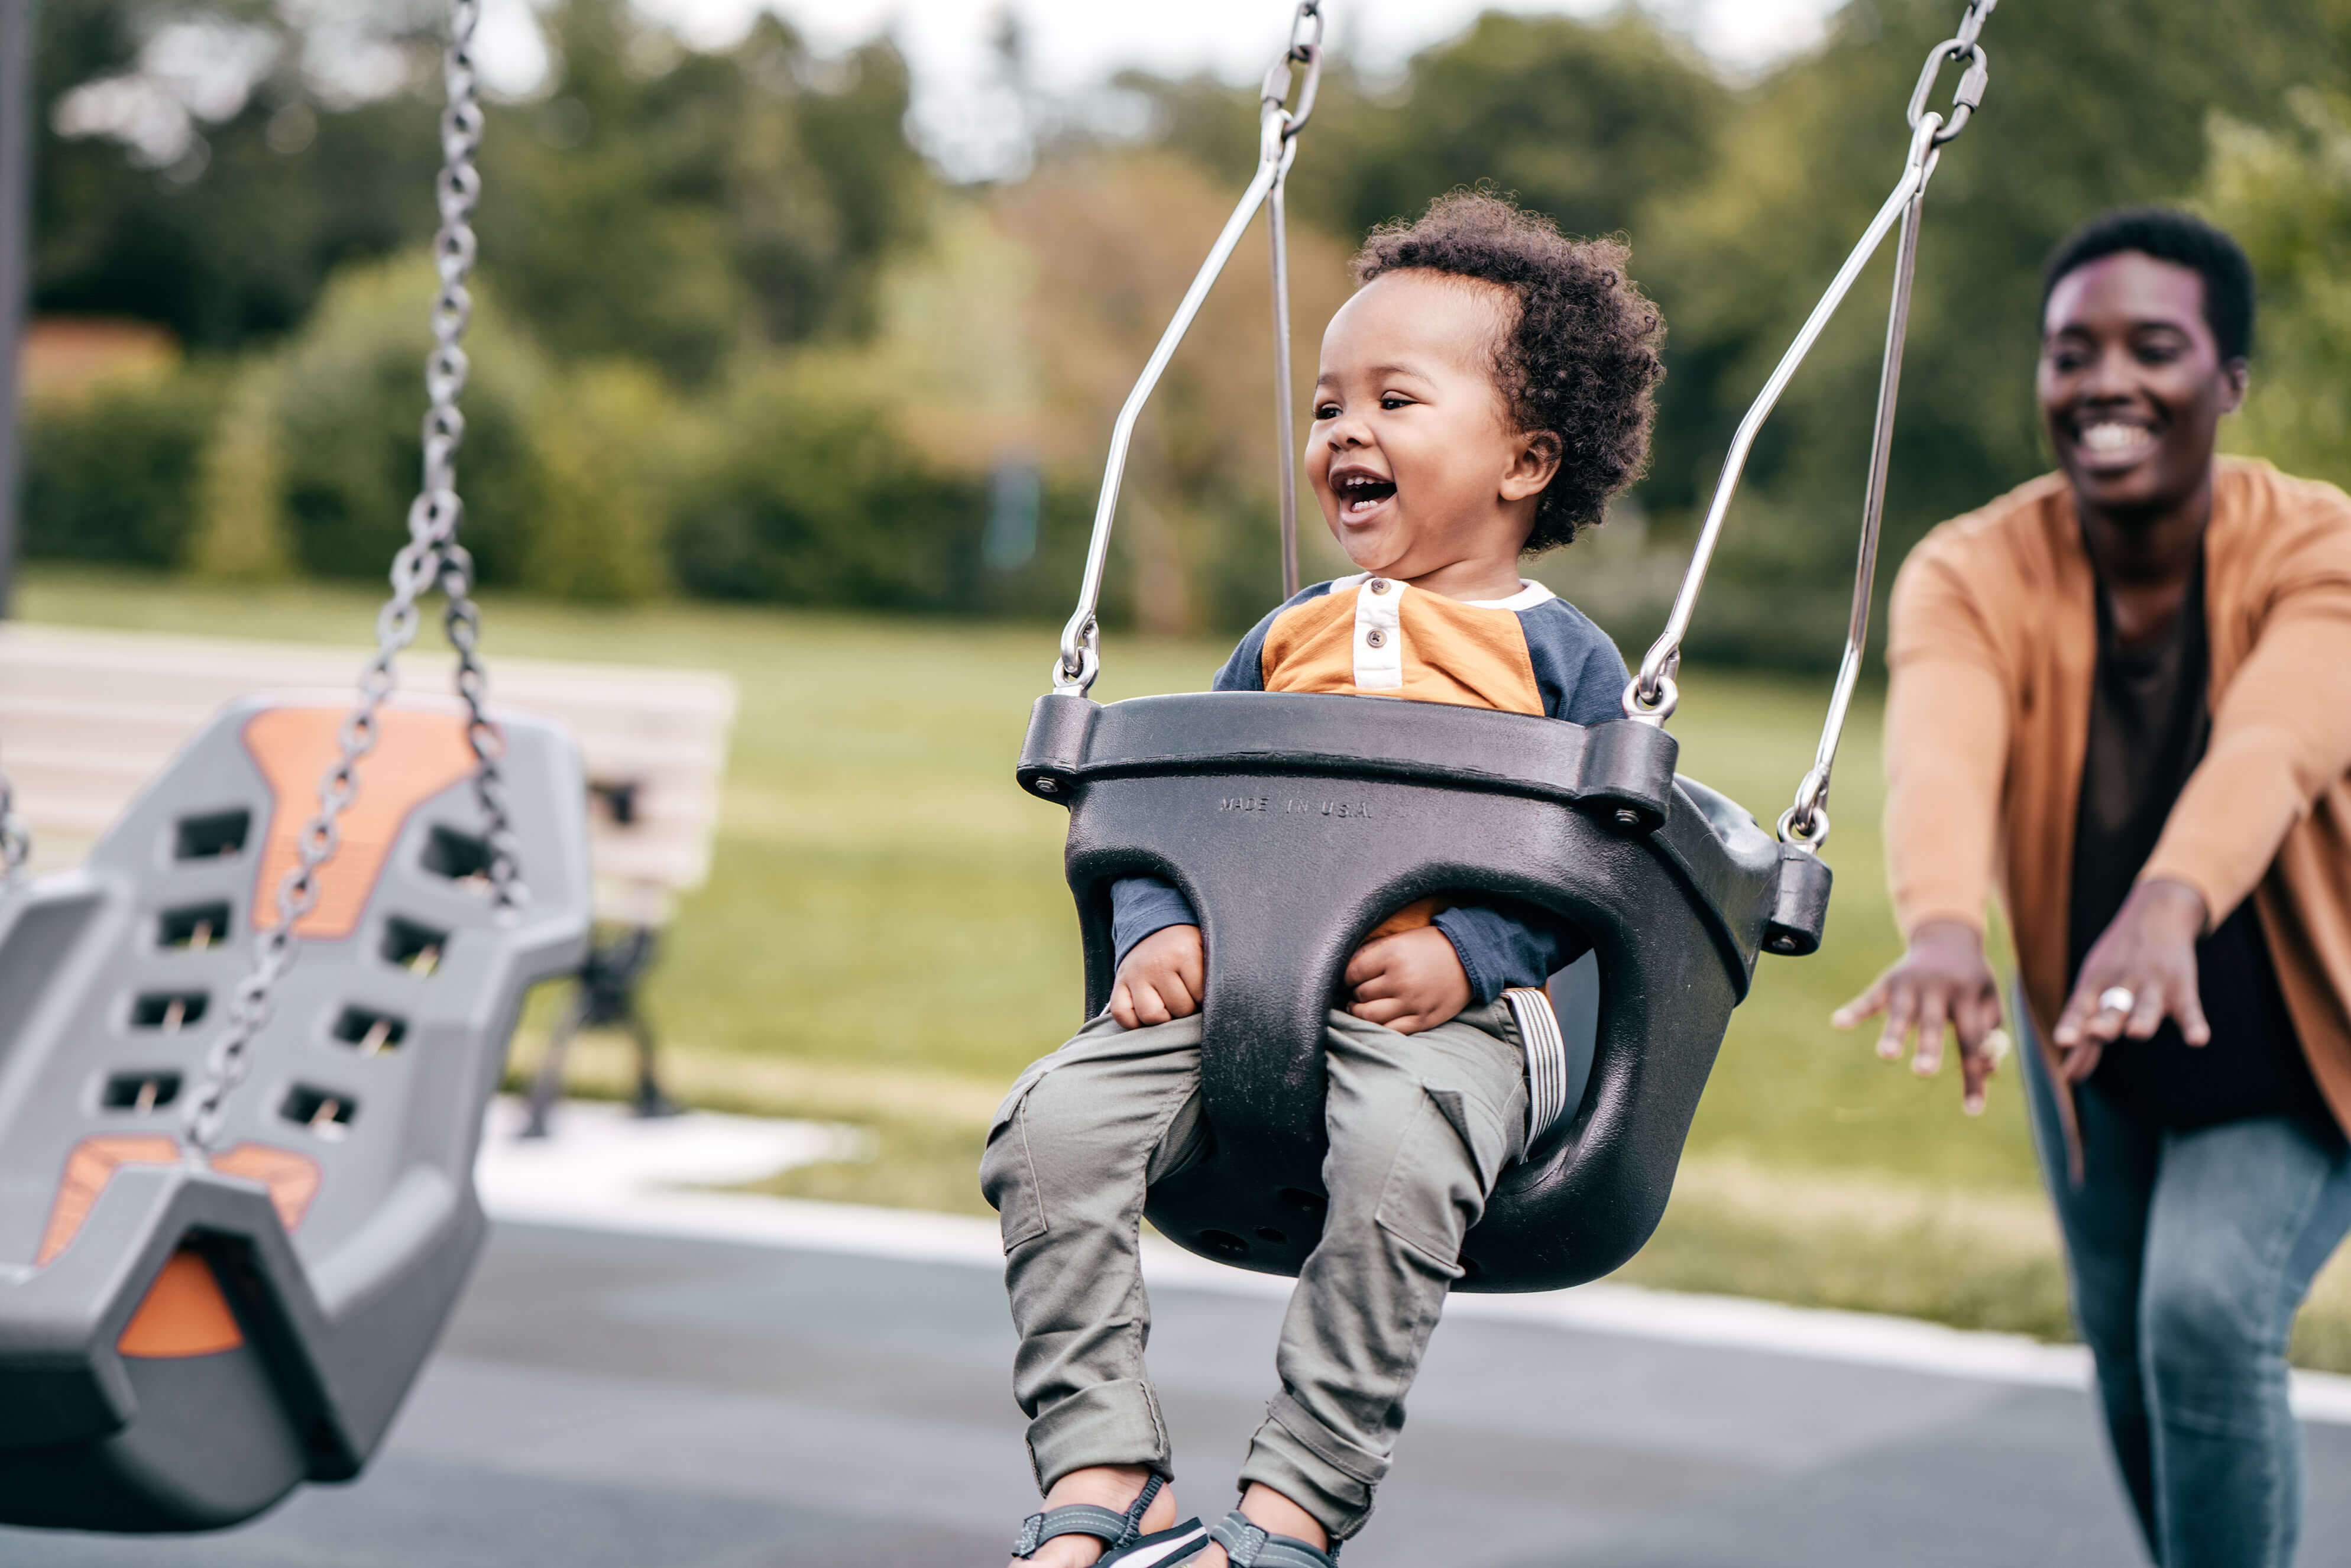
pixel 1379 636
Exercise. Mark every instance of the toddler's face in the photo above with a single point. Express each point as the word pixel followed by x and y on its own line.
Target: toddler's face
pixel 1413 454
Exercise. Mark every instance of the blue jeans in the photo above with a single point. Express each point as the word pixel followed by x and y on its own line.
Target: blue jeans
pixel 2189 1254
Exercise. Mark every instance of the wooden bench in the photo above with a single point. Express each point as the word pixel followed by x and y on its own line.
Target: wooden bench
pixel 88 717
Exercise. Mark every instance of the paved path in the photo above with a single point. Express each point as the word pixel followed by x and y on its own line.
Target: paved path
pixel 613 1398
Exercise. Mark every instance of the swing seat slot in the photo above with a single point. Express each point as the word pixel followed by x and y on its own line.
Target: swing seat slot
pixel 1294 823
pixel 338 1222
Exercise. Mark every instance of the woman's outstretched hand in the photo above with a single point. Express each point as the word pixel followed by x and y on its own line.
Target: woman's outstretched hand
pixel 2141 971
pixel 1942 981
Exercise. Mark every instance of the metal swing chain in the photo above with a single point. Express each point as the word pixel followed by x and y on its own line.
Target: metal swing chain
pixel 431 557
pixel 16 843
pixel 1079 662
pixel 1304 56
pixel 1651 695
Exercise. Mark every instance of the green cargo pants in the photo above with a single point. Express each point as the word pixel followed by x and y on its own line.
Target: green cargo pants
pixel 1420 1127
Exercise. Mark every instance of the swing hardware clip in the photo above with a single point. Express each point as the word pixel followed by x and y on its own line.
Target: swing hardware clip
pixel 1970 95
pixel 1302 64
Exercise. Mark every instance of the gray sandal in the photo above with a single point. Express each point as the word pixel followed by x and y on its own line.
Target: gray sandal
pixel 1250 1545
pixel 1121 1533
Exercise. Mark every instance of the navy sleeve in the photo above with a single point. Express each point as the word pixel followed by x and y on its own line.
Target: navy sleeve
pixel 1140 906
pixel 1577 667
pixel 1497 951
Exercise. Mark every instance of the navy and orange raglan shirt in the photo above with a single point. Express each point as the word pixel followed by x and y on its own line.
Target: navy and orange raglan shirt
pixel 1533 652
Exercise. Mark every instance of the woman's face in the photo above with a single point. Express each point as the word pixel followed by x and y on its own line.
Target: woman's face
pixel 2132 384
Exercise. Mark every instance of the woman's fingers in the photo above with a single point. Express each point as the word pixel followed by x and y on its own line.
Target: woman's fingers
pixel 1901 1011
pixel 1869 1004
pixel 1976 1066
pixel 2147 1012
pixel 1932 1018
pixel 2190 1014
pixel 1983 1044
pixel 2074 1020
pixel 2077 1065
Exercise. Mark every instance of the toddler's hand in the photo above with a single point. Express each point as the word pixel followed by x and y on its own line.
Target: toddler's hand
pixel 1410 981
pixel 1162 978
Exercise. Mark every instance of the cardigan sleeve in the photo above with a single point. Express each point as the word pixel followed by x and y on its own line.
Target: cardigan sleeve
pixel 2281 732
pixel 1947 738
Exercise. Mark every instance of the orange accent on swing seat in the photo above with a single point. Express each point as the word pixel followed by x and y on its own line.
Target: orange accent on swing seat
pixel 184 1313
pixel 418 753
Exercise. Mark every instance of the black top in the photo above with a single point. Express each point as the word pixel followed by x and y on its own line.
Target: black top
pixel 2150 722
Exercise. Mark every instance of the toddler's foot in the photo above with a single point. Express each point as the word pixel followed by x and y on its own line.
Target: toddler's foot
pixel 1114 1487
pixel 1276 1515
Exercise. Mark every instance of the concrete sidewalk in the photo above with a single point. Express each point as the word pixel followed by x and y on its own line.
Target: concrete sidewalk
pixel 712 1381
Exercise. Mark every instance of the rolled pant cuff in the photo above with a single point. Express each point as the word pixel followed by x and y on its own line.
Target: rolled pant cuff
pixel 1108 1423
pixel 1294 1455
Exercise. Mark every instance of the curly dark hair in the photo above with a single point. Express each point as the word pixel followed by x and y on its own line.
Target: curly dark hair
pixel 1580 362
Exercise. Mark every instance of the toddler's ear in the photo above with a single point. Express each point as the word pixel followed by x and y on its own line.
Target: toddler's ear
pixel 1533 465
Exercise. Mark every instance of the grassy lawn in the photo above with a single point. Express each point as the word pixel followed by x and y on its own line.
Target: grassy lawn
pixel 885 939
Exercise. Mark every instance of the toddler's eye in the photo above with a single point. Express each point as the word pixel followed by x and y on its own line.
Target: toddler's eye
pixel 1392 402
pixel 1326 411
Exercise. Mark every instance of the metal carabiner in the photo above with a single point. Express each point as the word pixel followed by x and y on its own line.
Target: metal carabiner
pixel 1970 95
pixel 1301 66
pixel 1971 25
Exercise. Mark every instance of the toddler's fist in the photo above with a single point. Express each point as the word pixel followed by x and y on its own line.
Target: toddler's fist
pixel 1163 978
pixel 1410 981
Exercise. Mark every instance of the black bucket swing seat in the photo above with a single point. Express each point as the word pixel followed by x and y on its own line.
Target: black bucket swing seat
pixel 1295 822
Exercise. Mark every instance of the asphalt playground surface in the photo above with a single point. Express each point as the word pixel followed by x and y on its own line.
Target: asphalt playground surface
pixel 611 1396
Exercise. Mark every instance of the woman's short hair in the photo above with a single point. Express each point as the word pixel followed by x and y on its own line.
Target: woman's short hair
pixel 1581 361
pixel 2182 240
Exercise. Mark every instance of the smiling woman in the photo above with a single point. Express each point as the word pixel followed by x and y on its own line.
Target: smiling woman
pixel 2127 688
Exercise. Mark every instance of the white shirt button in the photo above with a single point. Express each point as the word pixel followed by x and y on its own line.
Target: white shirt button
pixel 1375 638
pixel 1377 585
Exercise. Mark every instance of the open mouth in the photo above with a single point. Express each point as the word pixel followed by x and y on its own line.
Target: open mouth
pixel 1360 492
pixel 2111 441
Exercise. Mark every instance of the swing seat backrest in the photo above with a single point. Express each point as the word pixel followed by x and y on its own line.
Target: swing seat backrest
pixel 1294 823
pixel 180 1342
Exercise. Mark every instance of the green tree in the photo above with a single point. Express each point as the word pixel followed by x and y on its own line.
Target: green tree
pixel 222 229
pixel 657 202
pixel 2285 193
pixel 669 204
pixel 2094 104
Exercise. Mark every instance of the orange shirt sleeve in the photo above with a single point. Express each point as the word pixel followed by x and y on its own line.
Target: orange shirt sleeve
pixel 1947 738
pixel 2281 732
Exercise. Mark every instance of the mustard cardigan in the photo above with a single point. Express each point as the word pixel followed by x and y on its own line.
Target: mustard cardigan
pixel 1992 647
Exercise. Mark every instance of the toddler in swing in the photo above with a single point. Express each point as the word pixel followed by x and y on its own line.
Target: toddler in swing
pixel 1481 396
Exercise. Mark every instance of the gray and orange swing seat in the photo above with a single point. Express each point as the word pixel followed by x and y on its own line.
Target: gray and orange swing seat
pixel 185 1340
